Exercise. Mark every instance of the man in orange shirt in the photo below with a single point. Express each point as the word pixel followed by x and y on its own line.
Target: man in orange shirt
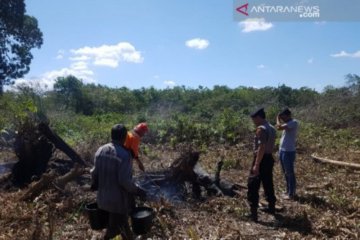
pixel 133 141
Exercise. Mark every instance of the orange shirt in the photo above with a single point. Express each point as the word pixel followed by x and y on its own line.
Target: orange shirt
pixel 132 143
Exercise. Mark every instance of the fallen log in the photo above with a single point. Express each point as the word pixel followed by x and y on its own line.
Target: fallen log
pixel 319 186
pixel 49 179
pixel 59 143
pixel 36 188
pixel 61 181
pixel 334 162
pixel 171 183
pixel 33 151
pixel 34 146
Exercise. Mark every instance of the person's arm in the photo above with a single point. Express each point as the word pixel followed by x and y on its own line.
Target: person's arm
pixel 95 174
pixel 259 157
pixel 140 164
pixel 280 125
pixel 124 176
pixel 135 151
pixel 261 151
pixel 278 120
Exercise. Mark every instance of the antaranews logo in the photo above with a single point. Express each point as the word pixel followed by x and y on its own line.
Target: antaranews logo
pixel 299 10
pixel 277 9
pixel 243 9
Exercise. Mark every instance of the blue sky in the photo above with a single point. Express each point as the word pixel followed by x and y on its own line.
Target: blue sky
pixel 162 43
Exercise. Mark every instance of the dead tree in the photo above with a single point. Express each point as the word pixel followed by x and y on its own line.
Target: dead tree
pixel 33 151
pixel 187 169
pixel 334 162
pixel 34 146
pixel 49 179
pixel 59 143
pixel 36 188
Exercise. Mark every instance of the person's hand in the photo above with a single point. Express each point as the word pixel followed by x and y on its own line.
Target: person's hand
pixel 255 170
pixel 219 193
pixel 94 185
pixel 141 166
pixel 141 193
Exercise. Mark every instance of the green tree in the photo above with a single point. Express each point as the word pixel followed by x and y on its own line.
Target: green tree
pixel 69 92
pixel 353 81
pixel 19 33
pixel 284 94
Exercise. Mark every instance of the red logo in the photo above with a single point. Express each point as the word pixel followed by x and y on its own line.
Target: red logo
pixel 243 9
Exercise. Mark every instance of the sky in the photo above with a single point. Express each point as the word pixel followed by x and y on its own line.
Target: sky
pixel 167 43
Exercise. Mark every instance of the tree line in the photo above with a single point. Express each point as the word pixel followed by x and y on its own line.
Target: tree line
pixel 180 114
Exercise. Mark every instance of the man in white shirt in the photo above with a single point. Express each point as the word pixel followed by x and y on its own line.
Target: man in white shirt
pixel 289 127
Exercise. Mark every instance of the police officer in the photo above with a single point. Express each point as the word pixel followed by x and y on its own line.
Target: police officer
pixel 262 167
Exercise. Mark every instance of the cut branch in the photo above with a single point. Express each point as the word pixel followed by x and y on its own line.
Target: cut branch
pixel 35 189
pixel 61 182
pixel 334 162
pixel 49 179
pixel 59 143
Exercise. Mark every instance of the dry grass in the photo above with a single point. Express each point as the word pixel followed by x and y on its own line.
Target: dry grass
pixel 328 205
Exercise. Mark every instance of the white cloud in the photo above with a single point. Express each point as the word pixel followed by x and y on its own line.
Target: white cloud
pixel 255 24
pixel 310 60
pixel 261 66
pixel 79 58
pixel 47 80
pixel 78 71
pixel 346 54
pixel 197 43
pixel 108 55
pixel 156 76
pixel 170 83
pixel 79 65
pixel 82 60
pixel 60 54
pixel 107 62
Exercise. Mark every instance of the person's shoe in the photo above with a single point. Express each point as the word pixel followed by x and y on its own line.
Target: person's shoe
pixel 289 197
pixel 252 215
pixel 284 195
pixel 269 209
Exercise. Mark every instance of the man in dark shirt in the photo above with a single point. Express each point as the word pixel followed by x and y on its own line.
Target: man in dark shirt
pixel 262 166
pixel 112 174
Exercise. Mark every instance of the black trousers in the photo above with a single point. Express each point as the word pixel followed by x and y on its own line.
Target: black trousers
pixel 118 224
pixel 266 178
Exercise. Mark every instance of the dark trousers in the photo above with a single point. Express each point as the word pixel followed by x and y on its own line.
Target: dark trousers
pixel 118 224
pixel 266 178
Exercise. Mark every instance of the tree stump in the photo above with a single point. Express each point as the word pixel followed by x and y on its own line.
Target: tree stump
pixel 33 151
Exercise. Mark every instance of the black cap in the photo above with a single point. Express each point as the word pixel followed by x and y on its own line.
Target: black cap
pixel 260 112
pixel 286 112
pixel 118 132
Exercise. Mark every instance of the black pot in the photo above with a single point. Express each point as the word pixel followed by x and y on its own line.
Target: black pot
pixel 98 218
pixel 142 220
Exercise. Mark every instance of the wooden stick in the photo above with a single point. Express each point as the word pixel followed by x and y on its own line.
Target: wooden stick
pixel 47 178
pixel 320 186
pixel 60 143
pixel 334 162
pixel 36 188
pixel 61 181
